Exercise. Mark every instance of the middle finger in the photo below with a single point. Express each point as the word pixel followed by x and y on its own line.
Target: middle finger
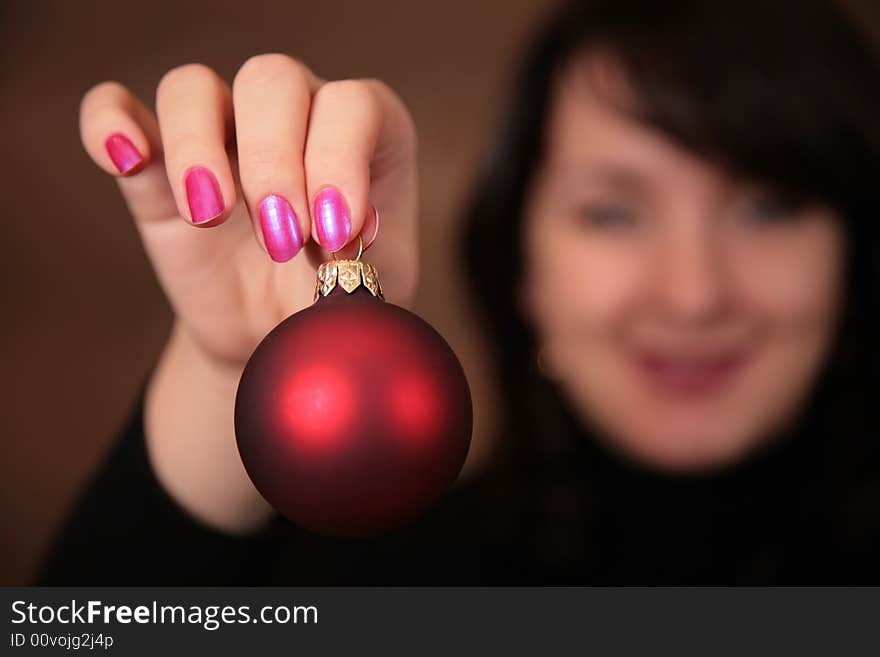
pixel 271 98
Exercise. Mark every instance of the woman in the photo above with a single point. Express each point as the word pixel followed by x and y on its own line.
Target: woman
pixel 672 245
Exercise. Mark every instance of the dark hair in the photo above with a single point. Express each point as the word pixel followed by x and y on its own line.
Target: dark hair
pixel 783 92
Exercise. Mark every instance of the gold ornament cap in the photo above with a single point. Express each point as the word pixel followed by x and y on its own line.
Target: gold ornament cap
pixel 349 275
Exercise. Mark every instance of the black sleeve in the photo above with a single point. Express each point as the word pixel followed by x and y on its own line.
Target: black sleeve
pixel 126 530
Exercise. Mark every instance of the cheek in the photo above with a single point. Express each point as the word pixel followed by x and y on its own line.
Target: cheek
pixel 588 295
pixel 792 295
pixel 576 285
pixel 792 284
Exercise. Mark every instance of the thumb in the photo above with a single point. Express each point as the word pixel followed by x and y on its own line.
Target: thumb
pixel 122 136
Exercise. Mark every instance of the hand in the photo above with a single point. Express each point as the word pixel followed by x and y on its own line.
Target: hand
pixel 283 157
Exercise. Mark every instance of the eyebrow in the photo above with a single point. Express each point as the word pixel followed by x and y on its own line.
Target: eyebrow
pixel 604 173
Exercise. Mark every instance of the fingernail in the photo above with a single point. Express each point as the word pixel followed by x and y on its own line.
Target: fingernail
pixel 331 219
pixel 124 154
pixel 280 230
pixel 203 195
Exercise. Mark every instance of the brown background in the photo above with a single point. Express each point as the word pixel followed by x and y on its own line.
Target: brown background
pixel 83 316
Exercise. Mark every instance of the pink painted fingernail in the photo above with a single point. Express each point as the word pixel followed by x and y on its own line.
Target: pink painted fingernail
pixel 124 154
pixel 203 195
pixel 331 219
pixel 280 230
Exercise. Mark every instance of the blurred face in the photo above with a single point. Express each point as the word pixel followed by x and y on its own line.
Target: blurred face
pixel 684 313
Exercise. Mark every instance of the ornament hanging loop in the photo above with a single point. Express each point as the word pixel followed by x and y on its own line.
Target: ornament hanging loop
pixel 361 250
pixel 350 274
pixel 376 230
pixel 361 246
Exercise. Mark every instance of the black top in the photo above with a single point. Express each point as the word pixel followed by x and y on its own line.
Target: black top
pixel 566 513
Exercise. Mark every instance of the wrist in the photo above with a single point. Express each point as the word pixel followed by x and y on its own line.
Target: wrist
pixel 189 428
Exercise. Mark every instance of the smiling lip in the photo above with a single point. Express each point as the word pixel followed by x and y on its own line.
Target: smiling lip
pixel 690 374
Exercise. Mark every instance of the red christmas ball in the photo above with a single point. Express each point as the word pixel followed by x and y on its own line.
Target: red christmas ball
pixel 353 415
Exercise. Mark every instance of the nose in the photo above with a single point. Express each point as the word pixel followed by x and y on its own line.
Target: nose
pixel 688 280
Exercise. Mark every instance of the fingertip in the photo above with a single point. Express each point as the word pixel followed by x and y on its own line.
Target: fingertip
pixel 111 131
pixel 204 197
pixel 333 222
pixel 279 231
pixel 126 157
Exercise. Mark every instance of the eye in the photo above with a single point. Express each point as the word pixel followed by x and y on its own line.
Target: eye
pixel 772 208
pixel 607 215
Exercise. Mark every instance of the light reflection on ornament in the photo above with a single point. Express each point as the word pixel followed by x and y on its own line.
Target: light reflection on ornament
pixel 319 407
pixel 416 404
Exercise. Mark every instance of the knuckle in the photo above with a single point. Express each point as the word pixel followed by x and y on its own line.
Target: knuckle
pixel 410 133
pixel 355 95
pixel 380 86
pixel 401 114
pixel 270 67
pixel 350 92
pixel 99 103
pixel 184 75
pixel 105 89
pixel 102 93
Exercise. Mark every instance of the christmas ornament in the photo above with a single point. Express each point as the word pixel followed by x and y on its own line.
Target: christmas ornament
pixel 353 415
